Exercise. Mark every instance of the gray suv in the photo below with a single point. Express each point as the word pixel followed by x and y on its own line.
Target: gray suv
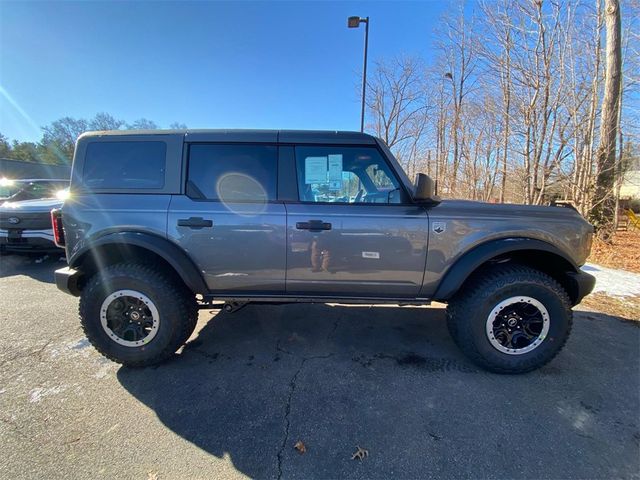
pixel 162 223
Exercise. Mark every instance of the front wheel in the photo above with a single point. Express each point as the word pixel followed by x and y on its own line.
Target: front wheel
pixel 136 315
pixel 510 319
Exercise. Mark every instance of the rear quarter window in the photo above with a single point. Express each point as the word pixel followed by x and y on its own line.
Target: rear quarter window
pixel 124 165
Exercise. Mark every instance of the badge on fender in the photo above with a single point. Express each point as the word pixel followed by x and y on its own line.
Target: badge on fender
pixel 439 227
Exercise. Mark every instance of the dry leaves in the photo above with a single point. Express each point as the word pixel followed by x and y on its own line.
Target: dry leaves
pixel 360 454
pixel 300 447
pixel 622 252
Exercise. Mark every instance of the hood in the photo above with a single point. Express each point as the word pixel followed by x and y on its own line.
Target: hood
pixel 512 210
pixel 39 205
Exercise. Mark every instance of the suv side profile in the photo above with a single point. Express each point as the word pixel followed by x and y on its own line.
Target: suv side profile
pixel 161 223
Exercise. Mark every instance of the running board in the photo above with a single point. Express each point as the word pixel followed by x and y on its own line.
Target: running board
pixel 235 302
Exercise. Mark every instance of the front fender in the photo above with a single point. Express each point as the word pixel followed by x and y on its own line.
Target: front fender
pixel 469 262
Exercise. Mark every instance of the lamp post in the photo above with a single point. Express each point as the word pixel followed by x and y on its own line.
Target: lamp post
pixel 354 22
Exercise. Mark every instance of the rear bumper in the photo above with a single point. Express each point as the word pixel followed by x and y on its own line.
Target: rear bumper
pixel 582 285
pixel 68 280
pixel 27 240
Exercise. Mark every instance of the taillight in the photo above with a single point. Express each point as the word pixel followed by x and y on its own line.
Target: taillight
pixel 56 224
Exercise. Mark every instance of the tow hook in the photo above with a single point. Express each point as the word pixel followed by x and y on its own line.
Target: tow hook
pixel 233 307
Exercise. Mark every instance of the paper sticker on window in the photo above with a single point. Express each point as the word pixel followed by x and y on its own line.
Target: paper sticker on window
pixel 335 186
pixel 335 168
pixel 315 170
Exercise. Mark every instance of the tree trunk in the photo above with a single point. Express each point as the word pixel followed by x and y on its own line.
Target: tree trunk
pixel 603 211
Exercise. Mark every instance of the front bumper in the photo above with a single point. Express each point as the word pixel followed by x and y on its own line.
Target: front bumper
pixel 27 240
pixel 69 281
pixel 582 285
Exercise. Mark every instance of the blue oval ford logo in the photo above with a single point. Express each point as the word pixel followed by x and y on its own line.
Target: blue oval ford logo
pixel 14 220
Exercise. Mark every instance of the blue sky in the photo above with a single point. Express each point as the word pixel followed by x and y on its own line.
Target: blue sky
pixel 206 64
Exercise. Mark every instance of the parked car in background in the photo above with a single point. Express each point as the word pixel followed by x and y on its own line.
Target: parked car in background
pixel 25 226
pixel 30 189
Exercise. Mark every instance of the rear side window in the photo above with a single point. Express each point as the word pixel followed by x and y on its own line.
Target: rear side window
pixel 136 165
pixel 233 173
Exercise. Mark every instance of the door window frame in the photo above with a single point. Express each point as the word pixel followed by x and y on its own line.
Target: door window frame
pixel 287 175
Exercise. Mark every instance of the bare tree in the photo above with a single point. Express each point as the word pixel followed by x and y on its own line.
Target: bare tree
pixel 603 212
pixel 397 106
pixel 510 107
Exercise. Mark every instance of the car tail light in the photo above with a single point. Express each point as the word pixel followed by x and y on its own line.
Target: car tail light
pixel 56 224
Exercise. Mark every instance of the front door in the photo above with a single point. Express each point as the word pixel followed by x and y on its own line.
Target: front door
pixel 353 231
pixel 228 221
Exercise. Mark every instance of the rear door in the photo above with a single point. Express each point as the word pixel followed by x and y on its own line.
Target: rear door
pixel 229 221
pixel 353 231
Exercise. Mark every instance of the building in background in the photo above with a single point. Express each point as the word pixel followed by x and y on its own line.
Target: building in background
pixel 630 188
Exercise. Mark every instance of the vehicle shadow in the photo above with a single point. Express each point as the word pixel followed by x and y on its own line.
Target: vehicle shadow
pixel 39 266
pixel 250 384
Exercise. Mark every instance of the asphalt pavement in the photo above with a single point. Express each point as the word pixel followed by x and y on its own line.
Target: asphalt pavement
pixel 249 385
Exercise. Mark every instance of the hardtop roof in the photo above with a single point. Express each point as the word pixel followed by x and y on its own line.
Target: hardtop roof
pixel 246 135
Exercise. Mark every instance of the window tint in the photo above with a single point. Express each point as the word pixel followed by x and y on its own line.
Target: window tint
pixel 233 173
pixel 138 165
pixel 345 175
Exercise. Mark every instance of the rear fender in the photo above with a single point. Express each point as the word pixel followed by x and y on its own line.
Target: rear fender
pixel 122 242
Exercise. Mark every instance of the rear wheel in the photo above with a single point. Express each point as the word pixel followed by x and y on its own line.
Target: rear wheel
pixel 510 319
pixel 136 315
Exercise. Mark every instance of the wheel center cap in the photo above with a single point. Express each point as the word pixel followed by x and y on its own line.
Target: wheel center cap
pixel 135 316
pixel 512 322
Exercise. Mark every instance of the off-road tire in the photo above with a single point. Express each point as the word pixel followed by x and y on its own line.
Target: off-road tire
pixel 177 307
pixel 468 311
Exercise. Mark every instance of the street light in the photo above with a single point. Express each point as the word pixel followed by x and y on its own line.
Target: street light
pixel 354 22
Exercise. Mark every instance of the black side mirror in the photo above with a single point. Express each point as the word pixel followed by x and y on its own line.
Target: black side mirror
pixel 425 189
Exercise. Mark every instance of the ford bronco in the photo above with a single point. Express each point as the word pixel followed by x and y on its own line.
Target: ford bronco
pixel 161 223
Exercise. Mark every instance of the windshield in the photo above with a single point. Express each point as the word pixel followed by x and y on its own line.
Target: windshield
pixel 35 190
pixel 8 190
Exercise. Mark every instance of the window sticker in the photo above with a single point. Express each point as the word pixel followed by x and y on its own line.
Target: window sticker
pixel 315 170
pixel 335 168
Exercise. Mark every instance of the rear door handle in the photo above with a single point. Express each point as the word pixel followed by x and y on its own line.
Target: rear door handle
pixel 313 225
pixel 195 223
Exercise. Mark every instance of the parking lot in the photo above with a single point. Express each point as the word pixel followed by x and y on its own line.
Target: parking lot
pixel 251 384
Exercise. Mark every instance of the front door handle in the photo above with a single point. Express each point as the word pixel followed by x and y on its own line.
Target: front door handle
pixel 195 223
pixel 313 225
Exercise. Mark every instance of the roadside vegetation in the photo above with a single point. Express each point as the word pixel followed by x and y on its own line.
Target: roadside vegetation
pixel 59 138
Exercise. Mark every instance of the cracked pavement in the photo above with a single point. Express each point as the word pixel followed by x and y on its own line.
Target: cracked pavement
pixel 249 385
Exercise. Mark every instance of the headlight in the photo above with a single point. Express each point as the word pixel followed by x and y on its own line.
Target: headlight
pixel 6 182
pixel 63 194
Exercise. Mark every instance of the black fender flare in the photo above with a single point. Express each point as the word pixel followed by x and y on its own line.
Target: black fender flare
pixel 167 250
pixel 462 269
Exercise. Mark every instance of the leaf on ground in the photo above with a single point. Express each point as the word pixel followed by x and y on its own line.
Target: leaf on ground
pixel 360 454
pixel 300 446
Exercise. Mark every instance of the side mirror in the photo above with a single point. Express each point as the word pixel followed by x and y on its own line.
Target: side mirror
pixel 425 189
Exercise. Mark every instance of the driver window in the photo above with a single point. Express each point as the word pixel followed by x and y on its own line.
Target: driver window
pixel 345 175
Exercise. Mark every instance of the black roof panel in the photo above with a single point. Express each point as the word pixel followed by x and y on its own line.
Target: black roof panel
pixel 266 136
